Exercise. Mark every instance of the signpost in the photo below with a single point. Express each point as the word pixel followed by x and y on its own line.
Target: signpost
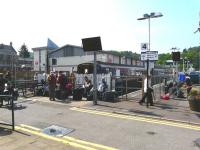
pixel 150 55
pixel 144 47
pixel 93 44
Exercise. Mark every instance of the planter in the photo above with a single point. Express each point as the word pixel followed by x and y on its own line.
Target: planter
pixel 194 104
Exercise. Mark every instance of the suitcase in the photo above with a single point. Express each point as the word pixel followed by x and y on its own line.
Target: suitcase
pixel 77 94
pixel 109 96
pixel 89 97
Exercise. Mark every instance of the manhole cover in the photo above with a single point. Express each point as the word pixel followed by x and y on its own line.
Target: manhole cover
pixel 57 130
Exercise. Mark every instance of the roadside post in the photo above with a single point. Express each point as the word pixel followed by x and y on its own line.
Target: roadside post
pixel 11 99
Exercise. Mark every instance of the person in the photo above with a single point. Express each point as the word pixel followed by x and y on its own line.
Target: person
pixel 52 85
pixel 8 76
pixel 61 80
pixel 188 83
pixel 9 88
pixel 102 88
pixel 147 92
pixel 87 86
pixel 2 87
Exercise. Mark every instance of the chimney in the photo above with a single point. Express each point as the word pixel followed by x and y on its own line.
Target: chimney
pixel 10 43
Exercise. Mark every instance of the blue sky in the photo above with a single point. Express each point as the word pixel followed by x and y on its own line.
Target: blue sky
pixel 68 21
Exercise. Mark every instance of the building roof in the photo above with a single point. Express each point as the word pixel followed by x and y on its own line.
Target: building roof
pixel 7 48
pixel 50 46
pixel 67 45
pixel 42 48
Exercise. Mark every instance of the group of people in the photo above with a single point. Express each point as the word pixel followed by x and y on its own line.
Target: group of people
pixel 175 89
pixel 60 82
pixel 88 88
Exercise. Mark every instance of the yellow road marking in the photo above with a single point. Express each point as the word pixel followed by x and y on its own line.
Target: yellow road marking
pixel 67 140
pixel 139 118
pixel 55 139
pixel 89 143
pixel 29 127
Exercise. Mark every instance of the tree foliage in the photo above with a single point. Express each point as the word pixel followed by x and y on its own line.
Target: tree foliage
pixel 129 54
pixel 162 58
pixel 23 52
pixel 192 55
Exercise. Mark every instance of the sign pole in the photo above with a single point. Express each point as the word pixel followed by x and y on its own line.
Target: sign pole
pixel 95 80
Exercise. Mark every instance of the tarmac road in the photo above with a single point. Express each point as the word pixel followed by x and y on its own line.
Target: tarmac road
pixel 105 129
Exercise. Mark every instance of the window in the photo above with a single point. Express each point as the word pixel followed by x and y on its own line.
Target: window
pixel 54 61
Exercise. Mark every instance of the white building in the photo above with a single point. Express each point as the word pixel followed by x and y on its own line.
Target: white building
pixel 41 63
pixel 68 57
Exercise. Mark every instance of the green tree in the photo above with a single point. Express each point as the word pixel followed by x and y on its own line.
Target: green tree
pixel 162 58
pixel 23 52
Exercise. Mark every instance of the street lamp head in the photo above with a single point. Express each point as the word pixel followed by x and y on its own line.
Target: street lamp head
pixel 156 15
pixel 151 15
pixel 146 15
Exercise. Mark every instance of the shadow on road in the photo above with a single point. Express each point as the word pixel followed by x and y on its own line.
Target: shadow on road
pixel 145 113
pixel 5 131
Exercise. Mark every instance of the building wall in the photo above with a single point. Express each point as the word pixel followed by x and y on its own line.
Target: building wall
pixel 40 60
pixel 101 57
pixel 116 59
pixel 110 58
pixel 128 61
pixel 123 60
pixel 36 60
pixel 8 57
pixel 66 63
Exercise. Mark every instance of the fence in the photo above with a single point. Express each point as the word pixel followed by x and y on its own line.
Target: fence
pixel 131 87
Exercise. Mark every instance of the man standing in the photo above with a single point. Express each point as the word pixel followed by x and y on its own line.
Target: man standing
pixel 147 92
pixel 52 85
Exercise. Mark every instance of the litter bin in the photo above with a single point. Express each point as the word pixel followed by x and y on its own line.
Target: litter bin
pixel 181 76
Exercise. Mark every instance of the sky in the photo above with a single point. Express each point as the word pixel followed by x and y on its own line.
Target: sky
pixel 68 21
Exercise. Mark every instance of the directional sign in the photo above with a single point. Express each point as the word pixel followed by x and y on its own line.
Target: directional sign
pixel 151 55
pixel 144 47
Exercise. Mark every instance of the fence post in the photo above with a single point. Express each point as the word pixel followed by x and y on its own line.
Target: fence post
pixel 142 88
pixel 13 117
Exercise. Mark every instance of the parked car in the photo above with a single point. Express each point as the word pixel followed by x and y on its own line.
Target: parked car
pixel 195 77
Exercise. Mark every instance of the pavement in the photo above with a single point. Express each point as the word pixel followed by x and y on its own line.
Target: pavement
pixel 174 109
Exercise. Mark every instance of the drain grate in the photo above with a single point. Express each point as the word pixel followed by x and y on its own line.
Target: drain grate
pixel 57 130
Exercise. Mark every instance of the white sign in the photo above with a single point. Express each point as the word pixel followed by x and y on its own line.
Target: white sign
pixel 144 47
pixel 150 55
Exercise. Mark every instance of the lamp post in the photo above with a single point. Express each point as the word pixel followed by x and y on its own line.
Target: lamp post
pixel 149 16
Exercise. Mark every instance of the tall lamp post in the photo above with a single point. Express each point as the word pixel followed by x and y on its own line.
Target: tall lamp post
pixel 149 16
